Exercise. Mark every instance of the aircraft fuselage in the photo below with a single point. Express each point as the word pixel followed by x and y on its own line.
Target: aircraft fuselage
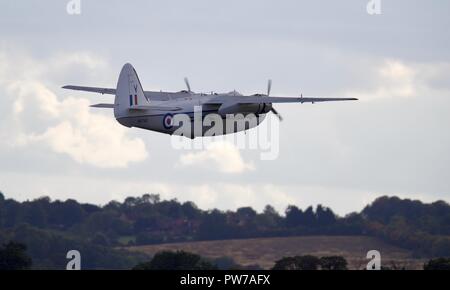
pixel 192 105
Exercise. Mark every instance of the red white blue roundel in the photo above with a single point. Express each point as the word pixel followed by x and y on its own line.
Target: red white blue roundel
pixel 168 121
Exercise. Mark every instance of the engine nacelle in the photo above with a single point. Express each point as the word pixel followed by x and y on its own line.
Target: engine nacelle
pixel 245 108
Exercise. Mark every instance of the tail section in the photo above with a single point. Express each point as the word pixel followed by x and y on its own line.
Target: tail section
pixel 129 92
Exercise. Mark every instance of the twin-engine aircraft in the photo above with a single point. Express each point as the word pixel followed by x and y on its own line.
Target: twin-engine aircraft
pixel 160 111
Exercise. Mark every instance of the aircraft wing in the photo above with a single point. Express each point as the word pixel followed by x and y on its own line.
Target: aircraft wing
pixel 156 108
pixel 265 99
pixel 144 107
pixel 91 89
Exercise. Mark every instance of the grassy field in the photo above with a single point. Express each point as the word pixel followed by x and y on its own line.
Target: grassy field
pixel 265 251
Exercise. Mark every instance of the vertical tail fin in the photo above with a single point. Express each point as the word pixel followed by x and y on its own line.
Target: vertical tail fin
pixel 129 93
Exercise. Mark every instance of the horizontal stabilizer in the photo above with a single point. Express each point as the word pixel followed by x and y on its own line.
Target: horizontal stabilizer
pixel 110 106
pixel 91 89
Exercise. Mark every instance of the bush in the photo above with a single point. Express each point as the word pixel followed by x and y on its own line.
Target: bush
pixel 333 263
pixel 297 263
pixel 438 264
pixel 13 256
pixel 179 260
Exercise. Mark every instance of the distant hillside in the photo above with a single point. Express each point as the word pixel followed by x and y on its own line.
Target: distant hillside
pixel 265 251
pixel 50 227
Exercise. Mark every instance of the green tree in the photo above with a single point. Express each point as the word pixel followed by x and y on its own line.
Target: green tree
pixel 286 263
pixel 441 247
pixel 270 218
pixel 438 264
pixel 151 198
pixel 190 210
pixel 214 226
pixel 306 262
pixel 36 212
pixel 333 263
pixel 13 256
pixel 179 260
pixel 146 238
pixel 65 214
pixel 294 216
pixel 2 210
pixel 101 239
pixel 325 216
pixel 11 212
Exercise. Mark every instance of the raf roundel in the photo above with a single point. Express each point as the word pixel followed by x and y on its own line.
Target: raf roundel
pixel 168 121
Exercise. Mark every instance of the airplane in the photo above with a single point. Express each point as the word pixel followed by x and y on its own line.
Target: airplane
pixel 158 111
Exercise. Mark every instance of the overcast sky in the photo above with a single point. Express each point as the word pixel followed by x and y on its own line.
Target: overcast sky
pixel 394 141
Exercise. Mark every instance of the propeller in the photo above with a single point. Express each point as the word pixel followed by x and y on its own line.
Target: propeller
pixel 276 114
pixel 269 88
pixel 186 81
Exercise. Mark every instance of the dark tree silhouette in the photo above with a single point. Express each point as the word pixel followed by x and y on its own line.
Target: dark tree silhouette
pixel 179 260
pixel 13 256
pixel 333 263
pixel 438 264
pixel 297 263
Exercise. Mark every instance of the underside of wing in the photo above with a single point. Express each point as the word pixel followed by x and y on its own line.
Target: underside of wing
pixel 108 106
pixel 262 99
pixel 92 89
pixel 156 108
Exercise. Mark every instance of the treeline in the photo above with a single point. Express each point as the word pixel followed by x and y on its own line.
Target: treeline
pixel 411 224
pixel 44 225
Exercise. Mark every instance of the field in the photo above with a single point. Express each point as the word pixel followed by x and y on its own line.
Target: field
pixel 265 251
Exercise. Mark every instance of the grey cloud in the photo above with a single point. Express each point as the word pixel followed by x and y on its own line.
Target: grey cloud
pixel 354 151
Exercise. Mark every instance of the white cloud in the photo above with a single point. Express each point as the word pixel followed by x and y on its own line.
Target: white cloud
pixel 395 143
pixel 397 79
pixel 222 156
pixel 66 126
